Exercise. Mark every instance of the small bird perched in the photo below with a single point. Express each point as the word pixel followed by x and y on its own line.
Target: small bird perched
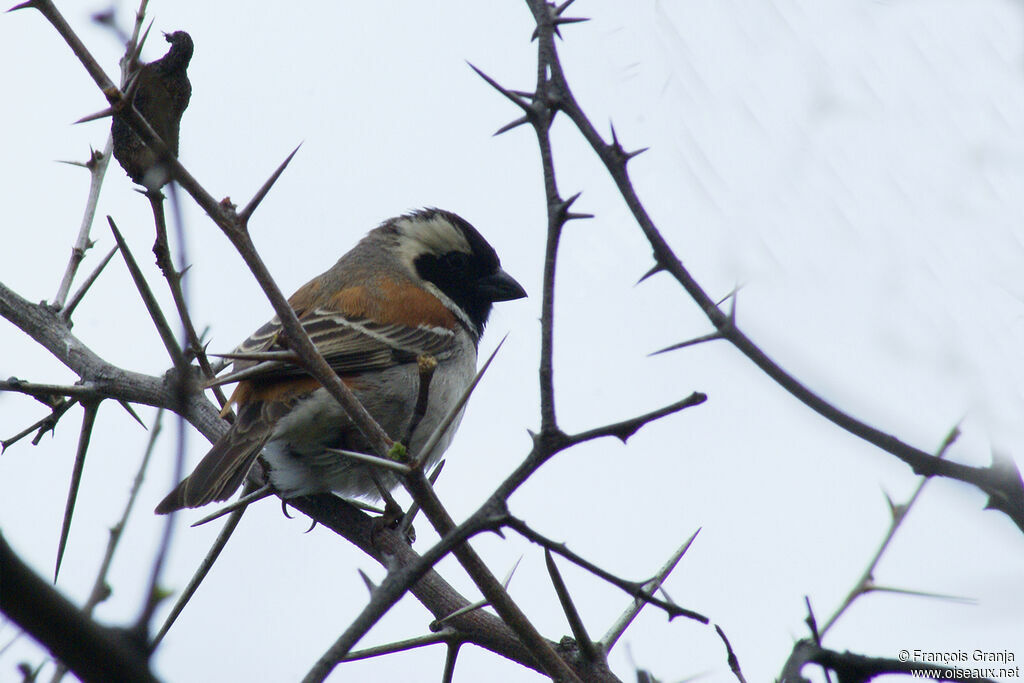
pixel 162 92
pixel 420 284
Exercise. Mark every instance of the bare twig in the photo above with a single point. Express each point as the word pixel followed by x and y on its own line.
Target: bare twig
pixel 734 663
pixel 175 277
pixel 865 583
pixel 1003 485
pixel 97 165
pixel 238 376
pixel 47 424
pixel 50 394
pixel 627 428
pixel 634 588
pixel 449 663
pixel 812 625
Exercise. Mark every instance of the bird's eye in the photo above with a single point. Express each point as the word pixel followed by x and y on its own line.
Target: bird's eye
pixel 456 261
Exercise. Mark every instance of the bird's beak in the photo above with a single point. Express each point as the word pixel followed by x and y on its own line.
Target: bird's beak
pixel 500 287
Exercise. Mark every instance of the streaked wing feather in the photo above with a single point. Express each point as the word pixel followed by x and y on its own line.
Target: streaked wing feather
pixel 350 345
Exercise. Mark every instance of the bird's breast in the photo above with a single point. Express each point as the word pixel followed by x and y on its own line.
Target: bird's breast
pixel 296 452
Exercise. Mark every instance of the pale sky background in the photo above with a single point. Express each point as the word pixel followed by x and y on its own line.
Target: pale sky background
pixel 855 166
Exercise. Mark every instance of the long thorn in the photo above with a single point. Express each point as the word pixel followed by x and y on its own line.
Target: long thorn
pixel 443 636
pixel 137 52
pixel 253 371
pixel 472 607
pixel 522 120
pixel 29 4
pixel 657 268
pixel 289 356
pixel 243 502
pixel 511 96
pixel 201 571
pixel 384 463
pixel 76 299
pixel 368 582
pixel 414 508
pixel 690 342
pixel 924 594
pixel 572 615
pixel 80 164
pixel 166 335
pixel 88 420
pixel 245 213
pixel 131 411
pixel 631 612
pixel 101 114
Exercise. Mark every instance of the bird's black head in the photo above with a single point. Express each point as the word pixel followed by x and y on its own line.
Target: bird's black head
pixel 447 252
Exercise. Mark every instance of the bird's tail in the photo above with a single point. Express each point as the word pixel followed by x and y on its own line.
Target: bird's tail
pixel 221 471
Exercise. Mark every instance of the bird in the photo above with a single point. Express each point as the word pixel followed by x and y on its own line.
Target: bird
pixel 161 94
pixel 418 285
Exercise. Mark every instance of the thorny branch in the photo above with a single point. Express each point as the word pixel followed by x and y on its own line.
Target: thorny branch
pixel 860 669
pixel 1002 482
pixel 866 583
pixel 97 167
pixel 94 652
pixel 407 571
pixel 234 226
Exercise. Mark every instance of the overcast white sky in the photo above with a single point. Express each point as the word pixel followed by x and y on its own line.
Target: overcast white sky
pixel 855 167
